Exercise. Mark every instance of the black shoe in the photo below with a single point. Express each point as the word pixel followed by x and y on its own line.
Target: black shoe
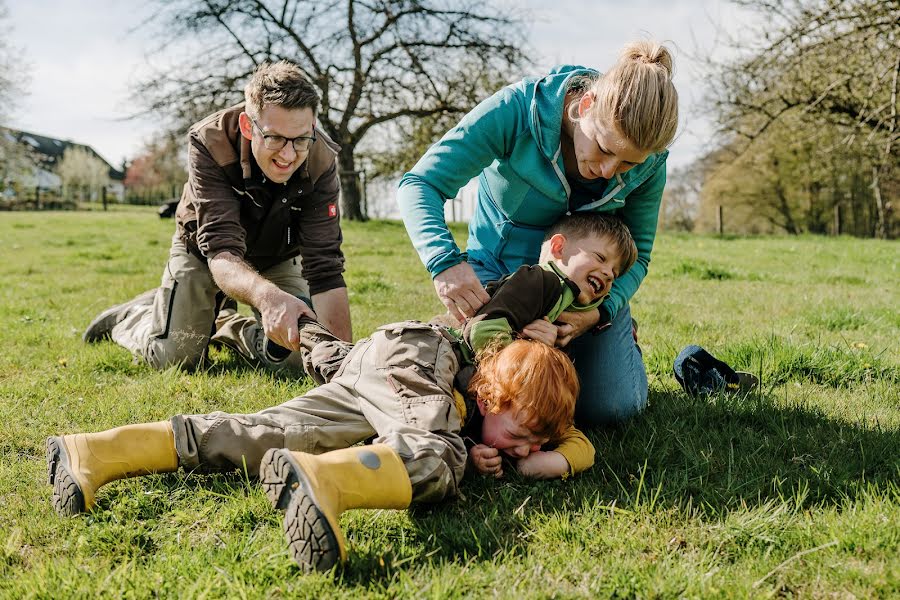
pixel 700 373
pixel 275 353
pixel 101 327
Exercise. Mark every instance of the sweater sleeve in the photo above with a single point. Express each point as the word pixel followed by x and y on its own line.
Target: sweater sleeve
pixel 525 296
pixel 576 449
pixel 487 133
pixel 218 209
pixel 321 237
pixel 640 215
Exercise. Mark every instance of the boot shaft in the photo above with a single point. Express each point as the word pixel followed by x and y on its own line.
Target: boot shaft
pixel 360 477
pixel 80 464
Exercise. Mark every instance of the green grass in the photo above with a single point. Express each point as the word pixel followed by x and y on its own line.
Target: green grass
pixel 794 491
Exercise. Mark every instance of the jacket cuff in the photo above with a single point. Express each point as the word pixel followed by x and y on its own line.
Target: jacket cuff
pixel 451 259
pixel 323 285
pixel 605 321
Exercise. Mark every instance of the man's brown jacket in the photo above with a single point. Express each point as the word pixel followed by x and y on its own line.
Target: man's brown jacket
pixel 228 205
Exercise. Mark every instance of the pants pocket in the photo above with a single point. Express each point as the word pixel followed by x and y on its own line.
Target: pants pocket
pixel 431 413
pixel 162 311
pixel 409 344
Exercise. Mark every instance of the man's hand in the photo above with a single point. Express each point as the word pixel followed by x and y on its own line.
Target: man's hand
pixel 543 465
pixel 541 330
pixel 573 324
pixel 460 291
pixel 280 312
pixel 486 460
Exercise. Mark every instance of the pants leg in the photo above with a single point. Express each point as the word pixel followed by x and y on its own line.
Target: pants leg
pixel 245 334
pixel 396 385
pixel 324 419
pixel 404 381
pixel 321 351
pixel 175 328
pixel 612 373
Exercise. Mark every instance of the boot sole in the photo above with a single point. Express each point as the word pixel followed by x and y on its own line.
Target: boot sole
pixel 311 540
pixel 277 477
pixel 67 498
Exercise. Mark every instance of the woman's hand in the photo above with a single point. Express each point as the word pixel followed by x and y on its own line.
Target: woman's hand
pixel 541 330
pixel 543 465
pixel 486 460
pixel 573 324
pixel 460 291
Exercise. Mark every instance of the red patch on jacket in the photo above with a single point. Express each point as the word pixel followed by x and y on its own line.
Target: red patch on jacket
pixel 332 210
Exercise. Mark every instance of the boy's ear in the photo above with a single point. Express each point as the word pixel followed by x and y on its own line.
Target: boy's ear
pixel 481 407
pixel 557 244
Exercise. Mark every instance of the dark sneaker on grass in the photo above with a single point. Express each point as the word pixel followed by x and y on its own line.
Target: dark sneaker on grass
pixel 701 373
pixel 101 327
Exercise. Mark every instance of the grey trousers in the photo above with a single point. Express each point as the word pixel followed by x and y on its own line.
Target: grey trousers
pixel 395 386
pixel 177 326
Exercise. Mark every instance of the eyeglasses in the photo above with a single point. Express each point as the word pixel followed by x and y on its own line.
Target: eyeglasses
pixel 277 142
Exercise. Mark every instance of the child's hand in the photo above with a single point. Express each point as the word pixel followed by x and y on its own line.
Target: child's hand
pixel 486 460
pixel 543 465
pixel 541 330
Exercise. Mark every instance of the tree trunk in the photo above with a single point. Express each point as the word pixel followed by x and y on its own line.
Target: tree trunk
pixel 351 192
pixel 815 217
pixel 782 204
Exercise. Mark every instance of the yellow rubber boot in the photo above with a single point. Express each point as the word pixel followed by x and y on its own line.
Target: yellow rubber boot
pixel 77 465
pixel 314 490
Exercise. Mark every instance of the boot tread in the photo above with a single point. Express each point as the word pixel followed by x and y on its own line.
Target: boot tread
pixel 311 541
pixel 67 499
pixel 53 445
pixel 277 476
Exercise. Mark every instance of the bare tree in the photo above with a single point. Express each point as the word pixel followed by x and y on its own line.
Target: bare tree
pixel 681 198
pixel 374 62
pixel 15 161
pixel 159 171
pixel 80 170
pixel 828 62
pixel 11 82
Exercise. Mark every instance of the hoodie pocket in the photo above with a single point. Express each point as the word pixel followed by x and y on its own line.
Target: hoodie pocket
pixel 512 244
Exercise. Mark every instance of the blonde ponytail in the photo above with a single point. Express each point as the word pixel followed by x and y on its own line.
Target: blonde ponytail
pixel 638 97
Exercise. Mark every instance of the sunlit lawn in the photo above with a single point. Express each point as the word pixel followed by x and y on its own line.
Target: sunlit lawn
pixel 792 491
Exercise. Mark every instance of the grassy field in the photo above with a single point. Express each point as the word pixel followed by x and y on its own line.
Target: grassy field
pixel 794 491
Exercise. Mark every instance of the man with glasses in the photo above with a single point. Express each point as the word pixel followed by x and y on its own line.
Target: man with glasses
pixel 257 223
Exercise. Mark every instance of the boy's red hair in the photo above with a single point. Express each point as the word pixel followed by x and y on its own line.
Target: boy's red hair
pixel 532 378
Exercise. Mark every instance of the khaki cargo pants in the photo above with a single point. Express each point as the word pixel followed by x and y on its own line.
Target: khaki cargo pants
pixel 177 326
pixel 395 385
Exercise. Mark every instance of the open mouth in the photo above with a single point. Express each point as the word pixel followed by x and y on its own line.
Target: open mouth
pixel 280 165
pixel 597 285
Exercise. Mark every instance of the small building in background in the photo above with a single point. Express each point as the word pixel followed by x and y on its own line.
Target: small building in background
pixel 31 165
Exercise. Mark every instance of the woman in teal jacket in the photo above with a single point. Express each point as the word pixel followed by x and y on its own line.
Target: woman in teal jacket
pixel 573 140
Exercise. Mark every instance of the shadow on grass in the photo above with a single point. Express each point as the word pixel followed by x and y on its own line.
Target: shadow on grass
pixel 709 457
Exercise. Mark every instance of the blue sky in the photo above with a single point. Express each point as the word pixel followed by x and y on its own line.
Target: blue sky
pixel 84 56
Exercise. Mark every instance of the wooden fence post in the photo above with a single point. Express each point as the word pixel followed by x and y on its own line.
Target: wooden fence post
pixel 720 222
pixel 837 219
pixel 103 196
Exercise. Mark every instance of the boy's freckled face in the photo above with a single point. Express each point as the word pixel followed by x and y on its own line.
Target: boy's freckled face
pixel 592 263
pixel 507 432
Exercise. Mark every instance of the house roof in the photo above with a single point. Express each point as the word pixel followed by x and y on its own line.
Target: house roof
pixel 49 151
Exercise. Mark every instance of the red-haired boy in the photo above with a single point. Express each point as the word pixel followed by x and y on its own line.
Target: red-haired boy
pixel 400 387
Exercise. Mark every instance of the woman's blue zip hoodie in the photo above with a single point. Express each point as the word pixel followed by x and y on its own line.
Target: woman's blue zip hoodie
pixel 511 142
